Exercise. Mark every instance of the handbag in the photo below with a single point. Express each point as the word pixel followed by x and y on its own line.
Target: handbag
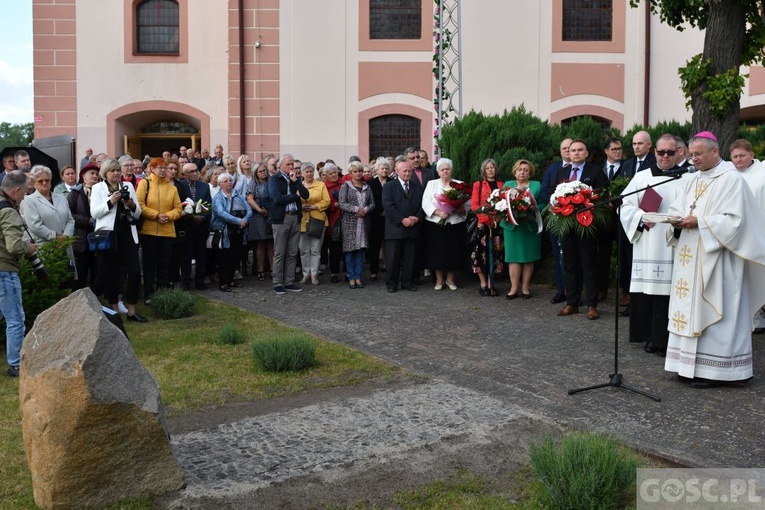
pixel 314 227
pixel 471 227
pixel 215 240
pixel 101 241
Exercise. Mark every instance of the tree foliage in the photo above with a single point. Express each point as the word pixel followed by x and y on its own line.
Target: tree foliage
pixel 514 135
pixel 16 135
pixel 711 82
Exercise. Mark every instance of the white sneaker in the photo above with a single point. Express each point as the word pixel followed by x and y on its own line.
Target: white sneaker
pixel 121 307
pixel 314 280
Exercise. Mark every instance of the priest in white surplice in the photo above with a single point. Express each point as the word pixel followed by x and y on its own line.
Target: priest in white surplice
pixel 742 157
pixel 718 275
pixel 652 257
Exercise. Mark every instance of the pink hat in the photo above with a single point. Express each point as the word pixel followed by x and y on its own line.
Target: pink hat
pixel 706 134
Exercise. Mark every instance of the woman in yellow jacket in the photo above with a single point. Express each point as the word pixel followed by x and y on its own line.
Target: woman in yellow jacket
pixel 314 207
pixel 160 207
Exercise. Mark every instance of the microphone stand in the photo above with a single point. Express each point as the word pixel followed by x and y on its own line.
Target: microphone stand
pixel 615 378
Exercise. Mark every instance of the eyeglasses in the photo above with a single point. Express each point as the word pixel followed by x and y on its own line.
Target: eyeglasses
pixel 43 180
pixel 615 149
pixel 695 155
pixel 666 153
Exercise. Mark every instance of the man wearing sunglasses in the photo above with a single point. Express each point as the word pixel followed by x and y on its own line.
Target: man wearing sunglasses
pixel 651 265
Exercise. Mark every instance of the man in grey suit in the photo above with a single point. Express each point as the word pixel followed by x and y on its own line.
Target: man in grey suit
pixel 402 201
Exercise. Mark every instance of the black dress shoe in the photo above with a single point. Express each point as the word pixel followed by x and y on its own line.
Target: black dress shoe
pixel 758 331
pixel 483 291
pixel 391 289
pixel 650 349
pixel 411 287
pixel 136 317
pixel 225 288
pixel 625 312
pixel 558 298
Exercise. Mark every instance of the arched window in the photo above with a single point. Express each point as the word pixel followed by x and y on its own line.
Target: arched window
pixel 169 126
pixel 395 19
pixel 156 26
pixel 603 122
pixel 389 135
pixel 587 20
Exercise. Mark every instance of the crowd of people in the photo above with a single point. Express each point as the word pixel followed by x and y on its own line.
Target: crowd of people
pixel 197 219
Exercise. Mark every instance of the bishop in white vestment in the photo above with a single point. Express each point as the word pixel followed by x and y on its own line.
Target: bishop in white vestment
pixel 718 278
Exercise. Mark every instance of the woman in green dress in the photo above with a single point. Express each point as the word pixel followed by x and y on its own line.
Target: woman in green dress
pixel 522 241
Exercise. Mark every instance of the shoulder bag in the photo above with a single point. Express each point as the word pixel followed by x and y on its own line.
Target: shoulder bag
pixel 314 227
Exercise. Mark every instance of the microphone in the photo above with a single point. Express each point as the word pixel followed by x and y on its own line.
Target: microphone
pixel 678 172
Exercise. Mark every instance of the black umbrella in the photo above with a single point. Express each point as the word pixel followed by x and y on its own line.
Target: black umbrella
pixel 37 157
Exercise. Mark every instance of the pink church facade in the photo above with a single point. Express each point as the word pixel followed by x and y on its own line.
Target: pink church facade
pixel 336 78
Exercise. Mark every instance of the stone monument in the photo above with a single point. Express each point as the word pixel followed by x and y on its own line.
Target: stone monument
pixel 92 420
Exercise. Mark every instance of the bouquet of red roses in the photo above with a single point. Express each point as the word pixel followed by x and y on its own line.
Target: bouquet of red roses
pixel 572 208
pixel 452 197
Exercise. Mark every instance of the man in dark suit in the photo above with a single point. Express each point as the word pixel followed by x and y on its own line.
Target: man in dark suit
pixel 402 202
pixel 580 254
pixel 199 226
pixel 422 176
pixel 548 186
pixel 612 168
pixel 643 158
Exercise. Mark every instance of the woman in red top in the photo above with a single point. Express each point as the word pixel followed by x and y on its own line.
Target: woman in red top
pixel 488 235
pixel 332 250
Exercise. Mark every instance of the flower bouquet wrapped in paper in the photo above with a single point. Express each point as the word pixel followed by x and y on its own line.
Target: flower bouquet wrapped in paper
pixel 495 208
pixel 522 208
pixel 452 197
pixel 572 210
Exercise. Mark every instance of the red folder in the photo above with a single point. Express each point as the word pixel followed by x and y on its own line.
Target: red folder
pixel 650 201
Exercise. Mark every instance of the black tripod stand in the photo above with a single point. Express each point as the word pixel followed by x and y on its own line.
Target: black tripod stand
pixel 615 379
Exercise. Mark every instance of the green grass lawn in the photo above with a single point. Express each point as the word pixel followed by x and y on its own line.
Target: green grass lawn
pixel 194 371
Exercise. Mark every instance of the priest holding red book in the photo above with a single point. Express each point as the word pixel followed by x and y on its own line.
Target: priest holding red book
pixel 651 282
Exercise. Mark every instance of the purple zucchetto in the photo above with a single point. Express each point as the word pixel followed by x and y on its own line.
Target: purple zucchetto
pixel 706 134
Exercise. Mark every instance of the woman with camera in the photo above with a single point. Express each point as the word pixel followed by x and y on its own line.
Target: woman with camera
pixel 114 205
pixel 160 207
pixel 230 216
